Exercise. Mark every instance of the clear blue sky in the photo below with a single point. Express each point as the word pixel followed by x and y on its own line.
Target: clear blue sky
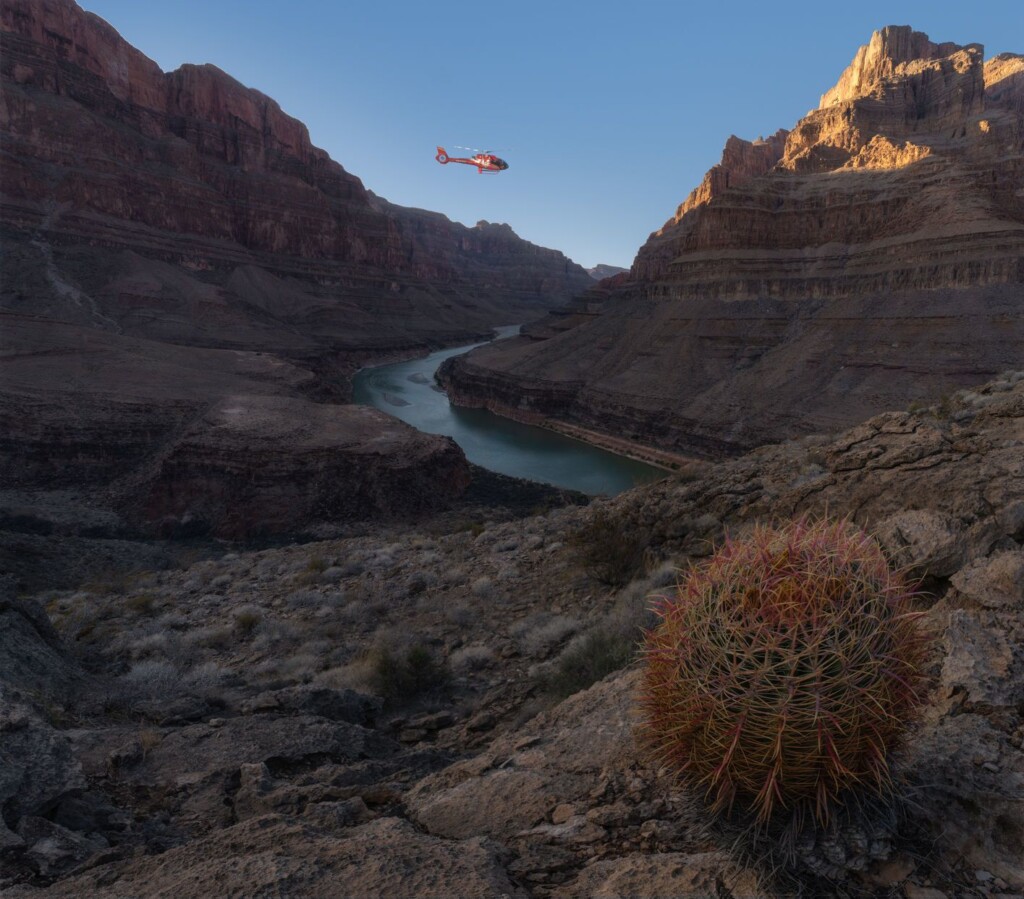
pixel 608 113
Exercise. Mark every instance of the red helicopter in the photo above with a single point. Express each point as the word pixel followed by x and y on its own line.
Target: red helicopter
pixel 485 162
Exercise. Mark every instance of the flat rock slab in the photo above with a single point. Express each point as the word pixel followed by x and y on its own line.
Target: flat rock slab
pixel 191 753
pixel 275 856
pixel 662 875
pixel 515 784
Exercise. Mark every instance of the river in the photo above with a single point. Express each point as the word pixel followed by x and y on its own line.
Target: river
pixel 408 391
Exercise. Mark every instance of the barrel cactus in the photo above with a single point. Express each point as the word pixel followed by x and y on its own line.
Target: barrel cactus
pixel 784 671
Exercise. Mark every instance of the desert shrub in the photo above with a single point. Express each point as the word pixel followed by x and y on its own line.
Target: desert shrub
pixel 784 671
pixel 152 679
pixel 276 635
pixel 149 739
pixel 588 658
pixel 147 645
pixel 483 588
pixel 611 644
pixel 420 581
pixel 299 667
pixel 317 564
pixel 363 614
pixel 539 634
pixel 212 636
pixel 247 619
pixel 304 599
pixel 333 575
pixel 172 621
pixel 460 615
pixel 609 549
pixel 312 572
pixel 472 658
pixel 206 678
pixel 402 675
pixel 141 603
pixel 473 528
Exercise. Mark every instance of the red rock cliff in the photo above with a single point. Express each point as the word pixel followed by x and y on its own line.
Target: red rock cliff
pixel 870 257
pixel 192 168
pixel 905 150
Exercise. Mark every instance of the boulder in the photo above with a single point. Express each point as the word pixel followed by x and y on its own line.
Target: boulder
pixel 37 768
pixel 33 658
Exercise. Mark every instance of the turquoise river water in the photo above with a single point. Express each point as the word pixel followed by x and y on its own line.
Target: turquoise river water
pixel 408 391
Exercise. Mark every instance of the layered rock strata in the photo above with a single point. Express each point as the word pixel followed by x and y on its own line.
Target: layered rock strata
pixel 174 240
pixel 258 465
pixel 201 441
pixel 871 257
pixel 104 150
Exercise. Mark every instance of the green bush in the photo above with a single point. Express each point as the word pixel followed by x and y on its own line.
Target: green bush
pixel 399 677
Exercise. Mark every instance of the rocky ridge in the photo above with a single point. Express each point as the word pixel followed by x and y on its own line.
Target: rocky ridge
pixel 867 258
pixel 230 739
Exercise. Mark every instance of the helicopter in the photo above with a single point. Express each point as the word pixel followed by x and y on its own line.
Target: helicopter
pixel 485 162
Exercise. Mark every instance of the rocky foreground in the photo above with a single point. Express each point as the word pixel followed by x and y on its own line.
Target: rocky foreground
pixel 866 259
pixel 380 714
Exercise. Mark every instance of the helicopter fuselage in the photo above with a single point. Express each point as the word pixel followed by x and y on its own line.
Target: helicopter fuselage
pixel 484 162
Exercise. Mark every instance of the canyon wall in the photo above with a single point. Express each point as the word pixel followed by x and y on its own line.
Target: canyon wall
pixel 175 245
pixel 870 257
pixel 106 154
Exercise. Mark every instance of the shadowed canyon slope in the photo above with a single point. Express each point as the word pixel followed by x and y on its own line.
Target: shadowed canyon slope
pixel 870 257
pixel 108 159
pixel 175 246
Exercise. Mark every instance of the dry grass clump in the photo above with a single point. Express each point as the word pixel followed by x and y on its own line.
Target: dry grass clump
pixel 397 671
pixel 247 619
pixel 588 658
pixel 304 599
pixel 537 635
pixel 475 657
pixel 152 679
pixel 483 588
pixel 141 603
pixel 611 644
pixel 784 671
pixel 275 635
pixel 460 615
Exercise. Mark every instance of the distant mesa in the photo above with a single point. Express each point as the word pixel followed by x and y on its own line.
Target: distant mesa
pixel 600 272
